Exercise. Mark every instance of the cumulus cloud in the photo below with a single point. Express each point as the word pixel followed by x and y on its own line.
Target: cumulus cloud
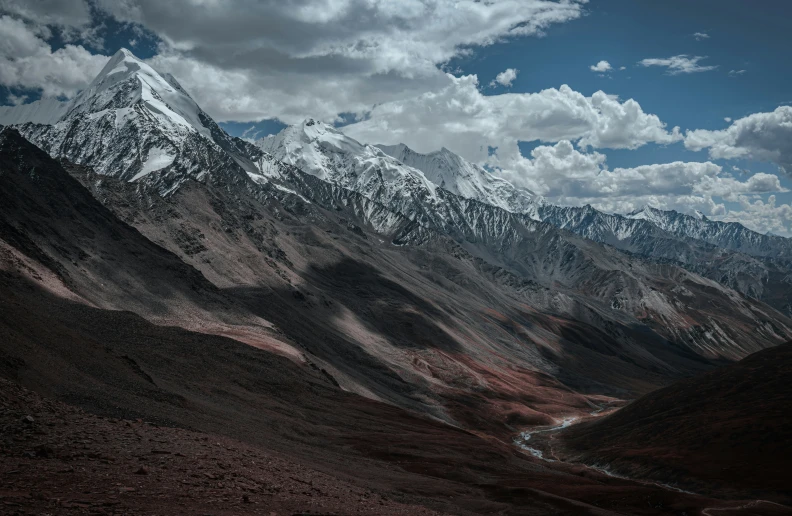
pixel 601 67
pixel 760 136
pixel 16 100
pixel 27 62
pixel 61 13
pixel 700 35
pixel 562 173
pixel 762 216
pixel 245 61
pixel 318 57
pixel 460 118
pixel 71 19
pixel 505 78
pixel 567 176
pixel 679 64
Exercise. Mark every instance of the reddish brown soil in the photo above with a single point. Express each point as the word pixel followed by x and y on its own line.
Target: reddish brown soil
pixel 57 459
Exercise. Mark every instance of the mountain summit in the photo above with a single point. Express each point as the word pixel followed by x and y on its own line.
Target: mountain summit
pixel 132 121
pixel 325 152
pixel 460 177
pixel 126 82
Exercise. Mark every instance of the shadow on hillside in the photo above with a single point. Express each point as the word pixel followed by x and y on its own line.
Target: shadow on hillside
pixel 347 296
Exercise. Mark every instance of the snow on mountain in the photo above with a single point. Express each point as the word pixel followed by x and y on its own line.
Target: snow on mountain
pixel 733 263
pixel 42 111
pixel 132 122
pixel 453 173
pixel 127 81
pixel 325 152
pixel 136 124
pixel 728 235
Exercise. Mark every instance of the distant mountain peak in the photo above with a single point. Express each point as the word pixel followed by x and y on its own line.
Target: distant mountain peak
pixel 323 151
pixel 452 172
pixel 699 215
pixel 649 213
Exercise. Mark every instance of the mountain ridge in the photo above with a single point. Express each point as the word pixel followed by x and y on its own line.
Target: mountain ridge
pixel 727 252
pixel 370 280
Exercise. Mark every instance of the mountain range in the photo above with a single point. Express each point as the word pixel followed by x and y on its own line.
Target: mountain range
pixel 420 283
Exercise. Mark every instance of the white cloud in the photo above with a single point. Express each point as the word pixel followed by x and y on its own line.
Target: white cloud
pixel 27 62
pixel 562 173
pixel 700 35
pixel 622 68
pixel 761 136
pixel 727 119
pixel 16 100
pixel 322 57
pixel 62 13
pixel 567 176
pixel 460 118
pixel 679 64
pixel 246 61
pixel 762 216
pixel 71 18
pixel 505 78
pixel 735 73
pixel 601 67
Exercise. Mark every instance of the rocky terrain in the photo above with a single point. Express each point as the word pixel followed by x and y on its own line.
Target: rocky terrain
pixel 60 460
pixel 755 265
pixel 383 331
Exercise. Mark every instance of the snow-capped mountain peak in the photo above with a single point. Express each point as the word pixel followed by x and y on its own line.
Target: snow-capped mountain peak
pixel 125 81
pixel 325 152
pixel 309 145
pixel 728 235
pixel 453 173
pixel 132 121
pixel 644 213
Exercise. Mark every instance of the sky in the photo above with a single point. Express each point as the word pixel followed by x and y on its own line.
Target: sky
pixel 619 104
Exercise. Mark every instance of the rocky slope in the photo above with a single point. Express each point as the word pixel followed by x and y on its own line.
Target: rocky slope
pixel 403 312
pixel 55 233
pixel 761 271
pixel 727 235
pixel 514 241
pixel 754 264
pixel 217 420
pixel 58 460
pixel 229 196
pixel 287 412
